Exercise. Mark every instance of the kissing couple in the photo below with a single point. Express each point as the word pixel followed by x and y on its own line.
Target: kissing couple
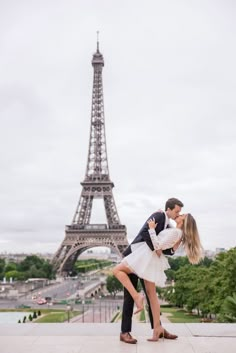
pixel 145 260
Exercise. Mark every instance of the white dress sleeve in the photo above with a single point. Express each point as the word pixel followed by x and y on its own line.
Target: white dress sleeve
pixel 165 239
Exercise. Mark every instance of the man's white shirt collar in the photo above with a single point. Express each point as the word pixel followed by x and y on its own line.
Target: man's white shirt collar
pixel 167 221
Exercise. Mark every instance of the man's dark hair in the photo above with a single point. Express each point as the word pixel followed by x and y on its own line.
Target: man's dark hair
pixel 172 202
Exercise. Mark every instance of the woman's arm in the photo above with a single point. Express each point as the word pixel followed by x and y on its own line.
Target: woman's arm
pixel 152 225
pixel 177 244
pixel 166 242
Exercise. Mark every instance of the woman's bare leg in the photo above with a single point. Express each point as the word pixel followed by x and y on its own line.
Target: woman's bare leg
pixel 121 272
pixel 155 308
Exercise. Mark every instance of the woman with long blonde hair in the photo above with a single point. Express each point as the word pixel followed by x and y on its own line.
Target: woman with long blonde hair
pixel 150 265
pixel 191 240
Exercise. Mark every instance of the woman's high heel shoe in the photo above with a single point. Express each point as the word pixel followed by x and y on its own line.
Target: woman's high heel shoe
pixel 139 303
pixel 156 335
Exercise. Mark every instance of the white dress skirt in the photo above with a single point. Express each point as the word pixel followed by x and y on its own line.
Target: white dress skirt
pixel 146 263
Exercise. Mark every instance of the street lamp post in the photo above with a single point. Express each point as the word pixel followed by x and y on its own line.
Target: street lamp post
pixel 100 309
pixel 93 307
pixel 105 311
pixel 69 308
pixel 83 311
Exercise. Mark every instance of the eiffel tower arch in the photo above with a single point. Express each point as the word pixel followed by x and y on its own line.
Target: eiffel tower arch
pixel 81 235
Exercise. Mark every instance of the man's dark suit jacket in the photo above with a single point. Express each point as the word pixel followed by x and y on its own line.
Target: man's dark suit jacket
pixel 143 234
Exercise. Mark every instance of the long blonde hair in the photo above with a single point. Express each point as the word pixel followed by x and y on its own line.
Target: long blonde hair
pixel 191 240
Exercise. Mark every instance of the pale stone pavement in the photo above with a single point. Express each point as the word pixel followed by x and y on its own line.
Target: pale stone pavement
pixel 104 338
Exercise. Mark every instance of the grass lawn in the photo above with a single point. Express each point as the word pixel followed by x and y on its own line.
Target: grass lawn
pixel 59 316
pixel 142 317
pixel 115 317
pixel 52 317
pixel 176 316
pixel 47 315
pixel 180 315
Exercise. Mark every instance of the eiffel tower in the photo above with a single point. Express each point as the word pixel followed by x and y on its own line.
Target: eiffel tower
pixel 81 234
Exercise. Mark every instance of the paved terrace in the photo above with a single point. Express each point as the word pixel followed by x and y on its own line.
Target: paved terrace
pixel 104 338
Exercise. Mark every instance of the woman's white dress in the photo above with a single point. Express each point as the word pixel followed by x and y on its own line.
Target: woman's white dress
pixel 146 263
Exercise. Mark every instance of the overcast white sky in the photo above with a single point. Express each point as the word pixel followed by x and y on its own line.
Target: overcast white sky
pixel 169 92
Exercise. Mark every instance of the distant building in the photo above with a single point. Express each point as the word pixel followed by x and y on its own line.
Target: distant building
pixel 94 255
pixel 210 254
pixel 11 257
pixel 220 250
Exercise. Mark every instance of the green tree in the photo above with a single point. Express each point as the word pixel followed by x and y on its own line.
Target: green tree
pixel 48 270
pixel 178 262
pixel 229 309
pixel 113 285
pixel 16 275
pixel 34 315
pixel 205 286
pixel 36 267
pixel 182 289
pixel 2 266
pixel 206 262
pixel 10 266
pixel 30 261
pixel 201 296
pixel 83 266
pixel 223 276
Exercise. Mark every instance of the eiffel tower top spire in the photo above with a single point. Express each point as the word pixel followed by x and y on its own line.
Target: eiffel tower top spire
pixel 97 57
pixel 97 165
pixel 97 41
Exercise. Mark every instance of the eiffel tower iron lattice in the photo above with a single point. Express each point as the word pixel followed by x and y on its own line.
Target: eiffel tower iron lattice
pixel 81 234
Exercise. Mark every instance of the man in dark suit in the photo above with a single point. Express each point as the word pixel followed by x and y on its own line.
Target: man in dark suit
pixel 172 209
